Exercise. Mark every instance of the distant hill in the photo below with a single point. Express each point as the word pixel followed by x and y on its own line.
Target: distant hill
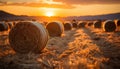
pixel 8 16
pixel 102 17
pixel 95 17
pixel 5 14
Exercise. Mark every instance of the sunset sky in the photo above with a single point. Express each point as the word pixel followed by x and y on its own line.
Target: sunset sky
pixel 60 7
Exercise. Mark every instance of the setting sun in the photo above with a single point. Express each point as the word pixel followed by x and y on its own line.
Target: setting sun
pixel 49 14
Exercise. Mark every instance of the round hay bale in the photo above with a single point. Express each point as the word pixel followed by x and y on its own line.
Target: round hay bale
pixel 109 26
pixel 10 24
pixel 67 26
pixel 55 28
pixel 97 24
pixel 74 25
pixel 81 24
pixel 117 22
pixel 90 23
pixel 28 37
pixel 14 23
pixel 3 26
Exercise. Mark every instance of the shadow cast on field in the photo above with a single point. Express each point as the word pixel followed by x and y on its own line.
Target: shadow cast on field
pixel 109 50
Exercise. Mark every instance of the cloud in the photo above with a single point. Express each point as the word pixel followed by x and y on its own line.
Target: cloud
pixel 63 4
pixel 87 2
pixel 15 1
pixel 46 4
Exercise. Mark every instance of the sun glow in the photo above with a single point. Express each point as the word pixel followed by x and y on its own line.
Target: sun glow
pixel 49 14
pixel 51 2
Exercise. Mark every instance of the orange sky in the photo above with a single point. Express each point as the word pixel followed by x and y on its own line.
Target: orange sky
pixel 60 7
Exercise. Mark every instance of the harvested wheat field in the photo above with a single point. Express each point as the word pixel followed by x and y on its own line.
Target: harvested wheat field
pixel 84 48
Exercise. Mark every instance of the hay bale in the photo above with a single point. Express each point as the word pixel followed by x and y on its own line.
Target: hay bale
pixel 28 37
pixel 89 23
pixel 97 24
pixel 81 24
pixel 55 28
pixel 117 22
pixel 14 23
pixel 74 25
pixel 109 26
pixel 3 26
pixel 68 26
pixel 10 24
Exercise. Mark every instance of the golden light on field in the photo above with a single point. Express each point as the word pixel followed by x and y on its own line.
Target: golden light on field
pixel 49 14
